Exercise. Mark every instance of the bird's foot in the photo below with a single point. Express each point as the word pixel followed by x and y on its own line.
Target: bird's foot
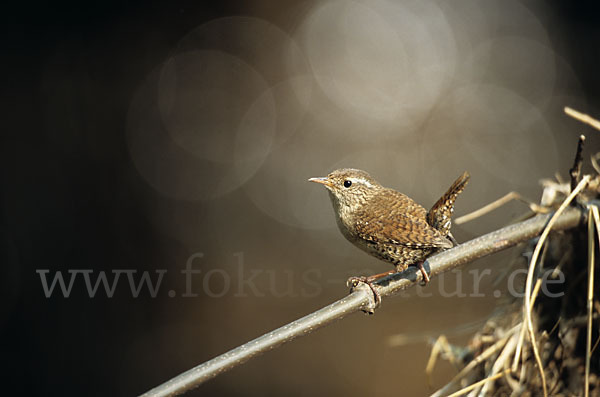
pixel 354 282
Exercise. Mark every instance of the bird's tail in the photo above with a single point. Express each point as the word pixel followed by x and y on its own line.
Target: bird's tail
pixel 439 215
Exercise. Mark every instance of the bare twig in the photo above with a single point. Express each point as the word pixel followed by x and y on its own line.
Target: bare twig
pixel 362 298
pixel 515 364
pixel 528 285
pixel 584 118
pixel 501 363
pixel 575 172
pixel 499 203
pixel 594 161
pixel 440 345
pixel 593 213
pixel 402 339
pixel 534 294
pixel 478 384
pixel 476 361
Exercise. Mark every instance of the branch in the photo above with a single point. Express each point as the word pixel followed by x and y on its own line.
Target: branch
pixel 575 172
pixel 584 118
pixel 362 298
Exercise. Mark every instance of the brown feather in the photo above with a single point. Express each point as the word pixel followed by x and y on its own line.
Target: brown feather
pixel 439 216
pixel 392 217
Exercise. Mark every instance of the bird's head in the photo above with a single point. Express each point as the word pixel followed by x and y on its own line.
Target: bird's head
pixel 348 187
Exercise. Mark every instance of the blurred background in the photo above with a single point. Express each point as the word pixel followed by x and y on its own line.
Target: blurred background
pixel 151 137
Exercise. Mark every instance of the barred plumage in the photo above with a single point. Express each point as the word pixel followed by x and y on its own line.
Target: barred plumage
pixel 388 224
pixel 439 216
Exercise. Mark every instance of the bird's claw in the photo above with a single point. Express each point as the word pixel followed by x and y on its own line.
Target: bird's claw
pixel 425 279
pixel 354 282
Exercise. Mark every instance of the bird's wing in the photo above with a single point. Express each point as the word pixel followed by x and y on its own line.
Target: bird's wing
pixel 401 230
pixel 397 219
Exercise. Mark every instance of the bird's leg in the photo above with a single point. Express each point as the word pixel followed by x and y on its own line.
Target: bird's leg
pixel 370 281
pixel 451 238
pixel 424 273
pixel 374 277
pixel 403 267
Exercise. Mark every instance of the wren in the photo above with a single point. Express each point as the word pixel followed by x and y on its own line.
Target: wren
pixel 388 224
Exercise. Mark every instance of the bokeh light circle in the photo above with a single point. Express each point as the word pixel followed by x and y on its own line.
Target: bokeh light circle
pixel 380 61
pixel 189 124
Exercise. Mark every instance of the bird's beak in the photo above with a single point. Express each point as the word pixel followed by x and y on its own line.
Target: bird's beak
pixel 323 181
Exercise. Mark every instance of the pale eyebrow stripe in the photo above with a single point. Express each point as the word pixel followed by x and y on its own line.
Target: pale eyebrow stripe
pixel 363 181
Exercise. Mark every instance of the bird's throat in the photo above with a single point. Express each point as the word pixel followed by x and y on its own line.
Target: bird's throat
pixel 343 216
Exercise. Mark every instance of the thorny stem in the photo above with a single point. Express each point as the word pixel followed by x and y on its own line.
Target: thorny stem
pixel 362 298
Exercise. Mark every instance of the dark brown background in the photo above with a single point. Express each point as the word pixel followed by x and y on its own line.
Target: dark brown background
pixel 137 134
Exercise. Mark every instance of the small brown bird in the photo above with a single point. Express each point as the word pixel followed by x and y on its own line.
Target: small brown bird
pixel 388 224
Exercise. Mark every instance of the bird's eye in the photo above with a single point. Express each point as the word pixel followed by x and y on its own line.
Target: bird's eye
pixel 347 183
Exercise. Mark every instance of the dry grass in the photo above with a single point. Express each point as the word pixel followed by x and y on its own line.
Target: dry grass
pixel 543 344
